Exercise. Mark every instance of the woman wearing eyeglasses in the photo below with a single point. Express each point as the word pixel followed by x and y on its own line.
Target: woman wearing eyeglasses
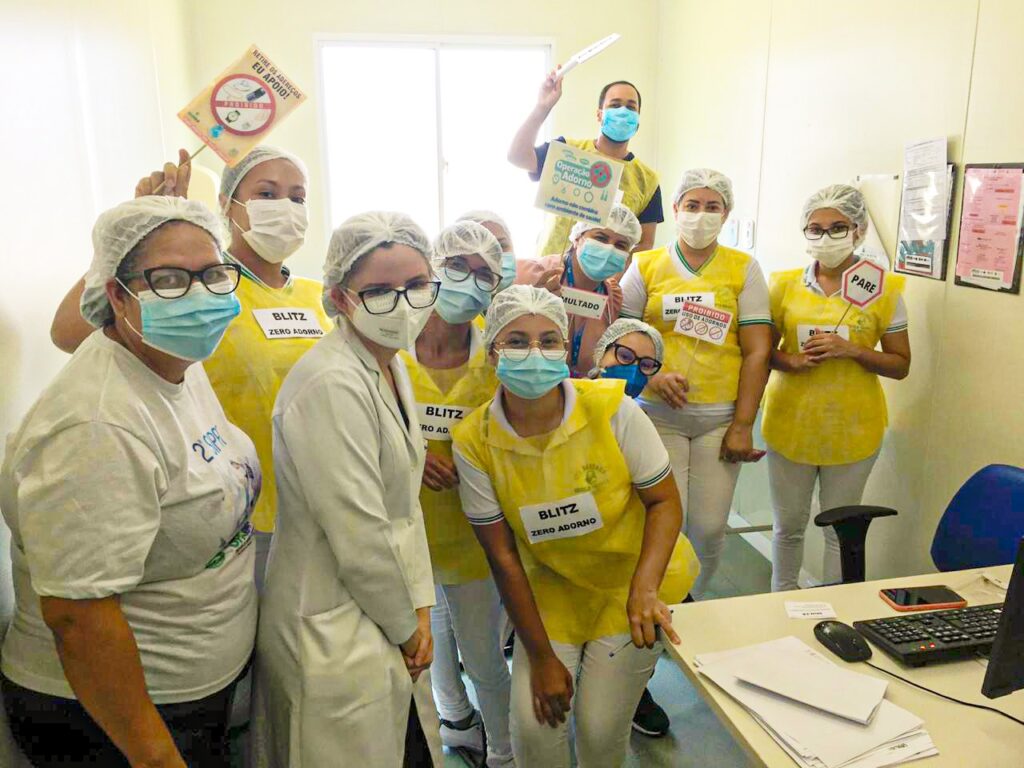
pixel 345 638
pixel 571 495
pixel 825 413
pixel 630 350
pixel 129 496
pixel 263 199
pixel 594 260
pixel 450 378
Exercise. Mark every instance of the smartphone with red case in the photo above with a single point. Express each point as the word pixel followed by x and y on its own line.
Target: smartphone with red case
pixel 932 598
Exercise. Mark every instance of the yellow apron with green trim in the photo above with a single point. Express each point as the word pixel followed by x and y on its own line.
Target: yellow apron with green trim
pixel 455 554
pixel 638 185
pixel 714 371
pixel 253 358
pixel 835 413
pixel 571 492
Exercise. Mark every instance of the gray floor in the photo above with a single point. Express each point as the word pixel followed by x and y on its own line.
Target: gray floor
pixel 697 739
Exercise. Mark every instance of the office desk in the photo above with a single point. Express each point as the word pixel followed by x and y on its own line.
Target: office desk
pixel 965 737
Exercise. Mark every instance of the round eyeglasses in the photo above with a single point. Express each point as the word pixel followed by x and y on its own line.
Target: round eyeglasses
pixel 625 356
pixel 517 350
pixel 457 270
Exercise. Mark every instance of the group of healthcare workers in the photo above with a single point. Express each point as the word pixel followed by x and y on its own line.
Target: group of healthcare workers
pixel 427 452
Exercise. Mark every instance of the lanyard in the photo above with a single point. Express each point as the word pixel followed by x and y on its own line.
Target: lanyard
pixel 577 336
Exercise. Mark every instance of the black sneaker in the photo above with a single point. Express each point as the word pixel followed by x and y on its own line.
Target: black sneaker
pixel 649 718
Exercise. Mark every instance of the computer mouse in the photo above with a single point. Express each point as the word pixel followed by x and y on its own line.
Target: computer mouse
pixel 843 640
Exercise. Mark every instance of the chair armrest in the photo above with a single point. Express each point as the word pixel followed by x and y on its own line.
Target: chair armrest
pixel 857 512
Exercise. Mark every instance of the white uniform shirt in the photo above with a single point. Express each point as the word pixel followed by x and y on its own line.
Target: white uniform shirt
pixel 119 482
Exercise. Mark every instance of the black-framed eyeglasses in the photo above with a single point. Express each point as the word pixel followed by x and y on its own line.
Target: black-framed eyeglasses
pixel 625 356
pixel 835 232
pixel 175 282
pixel 380 301
pixel 457 270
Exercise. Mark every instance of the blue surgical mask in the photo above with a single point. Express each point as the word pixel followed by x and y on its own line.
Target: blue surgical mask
pixel 508 270
pixel 533 377
pixel 190 327
pixel 620 123
pixel 635 381
pixel 460 302
pixel 600 260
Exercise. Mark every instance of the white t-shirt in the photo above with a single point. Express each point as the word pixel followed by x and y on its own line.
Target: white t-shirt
pixel 645 455
pixel 119 482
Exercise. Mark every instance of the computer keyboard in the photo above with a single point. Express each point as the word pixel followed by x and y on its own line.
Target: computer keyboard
pixel 926 637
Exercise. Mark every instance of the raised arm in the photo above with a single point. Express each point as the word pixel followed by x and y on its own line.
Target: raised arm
pixel 521 153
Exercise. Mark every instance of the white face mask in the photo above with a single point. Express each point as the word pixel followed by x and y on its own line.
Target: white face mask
pixel 398 329
pixel 698 230
pixel 277 228
pixel 831 253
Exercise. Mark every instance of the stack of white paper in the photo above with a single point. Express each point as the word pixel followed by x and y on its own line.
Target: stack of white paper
pixel 824 716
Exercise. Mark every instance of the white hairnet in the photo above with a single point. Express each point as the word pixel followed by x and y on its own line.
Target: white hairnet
pixel 482 216
pixel 518 300
pixel 623 327
pixel 123 227
pixel 621 221
pixel 464 238
pixel 232 177
pixel 843 198
pixel 696 178
pixel 360 235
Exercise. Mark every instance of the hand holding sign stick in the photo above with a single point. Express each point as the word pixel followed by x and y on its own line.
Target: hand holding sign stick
pixel 179 189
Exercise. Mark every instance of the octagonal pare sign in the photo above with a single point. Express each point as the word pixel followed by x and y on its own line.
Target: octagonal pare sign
pixel 863 283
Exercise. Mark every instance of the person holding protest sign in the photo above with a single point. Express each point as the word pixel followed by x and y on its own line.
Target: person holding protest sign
pixel 571 495
pixel 586 276
pixel 263 200
pixel 825 413
pixel 450 377
pixel 344 642
pixel 618 117
pixel 705 398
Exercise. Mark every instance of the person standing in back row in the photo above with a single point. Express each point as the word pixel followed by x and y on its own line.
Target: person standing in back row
pixel 618 115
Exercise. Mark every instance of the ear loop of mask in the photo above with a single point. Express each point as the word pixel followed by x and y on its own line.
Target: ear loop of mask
pixel 124 316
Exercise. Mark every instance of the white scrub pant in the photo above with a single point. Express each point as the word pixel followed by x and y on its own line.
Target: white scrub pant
pixel 706 483
pixel 792 486
pixel 469 618
pixel 607 690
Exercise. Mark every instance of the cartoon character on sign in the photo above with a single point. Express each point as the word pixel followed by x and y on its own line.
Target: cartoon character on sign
pixel 600 174
pixel 242 106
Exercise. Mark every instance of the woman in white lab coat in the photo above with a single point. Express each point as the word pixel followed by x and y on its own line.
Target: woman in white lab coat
pixel 344 640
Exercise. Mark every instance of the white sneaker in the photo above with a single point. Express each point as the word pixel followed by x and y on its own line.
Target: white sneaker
pixel 471 738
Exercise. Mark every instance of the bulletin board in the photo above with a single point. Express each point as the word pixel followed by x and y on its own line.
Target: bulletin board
pixel 926 256
pixel 991 245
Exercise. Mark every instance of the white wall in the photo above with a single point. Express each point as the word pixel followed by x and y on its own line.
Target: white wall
pixel 796 94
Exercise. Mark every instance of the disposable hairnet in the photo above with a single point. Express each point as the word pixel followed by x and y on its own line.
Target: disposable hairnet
pixel 485 217
pixel 845 199
pixel 123 227
pixel 464 238
pixel 232 177
pixel 695 178
pixel 624 327
pixel 518 300
pixel 358 236
pixel 621 221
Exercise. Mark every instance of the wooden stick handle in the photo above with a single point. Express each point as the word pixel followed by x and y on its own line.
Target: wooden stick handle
pixel 190 157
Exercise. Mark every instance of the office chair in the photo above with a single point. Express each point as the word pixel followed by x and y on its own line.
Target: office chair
pixel 983 523
pixel 851 527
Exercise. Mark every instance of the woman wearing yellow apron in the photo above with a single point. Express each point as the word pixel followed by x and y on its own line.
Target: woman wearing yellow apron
pixel 825 412
pixel 705 398
pixel 264 203
pixel 450 378
pixel 572 497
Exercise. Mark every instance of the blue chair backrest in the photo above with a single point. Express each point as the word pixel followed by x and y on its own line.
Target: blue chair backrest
pixel 984 522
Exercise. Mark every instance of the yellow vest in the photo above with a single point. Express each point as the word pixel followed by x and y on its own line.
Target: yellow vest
pixel 638 185
pixel 249 366
pixel 580 582
pixel 455 553
pixel 835 413
pixel 714 373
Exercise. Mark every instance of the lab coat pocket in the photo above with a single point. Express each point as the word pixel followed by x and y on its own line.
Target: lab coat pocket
pixel 344 660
